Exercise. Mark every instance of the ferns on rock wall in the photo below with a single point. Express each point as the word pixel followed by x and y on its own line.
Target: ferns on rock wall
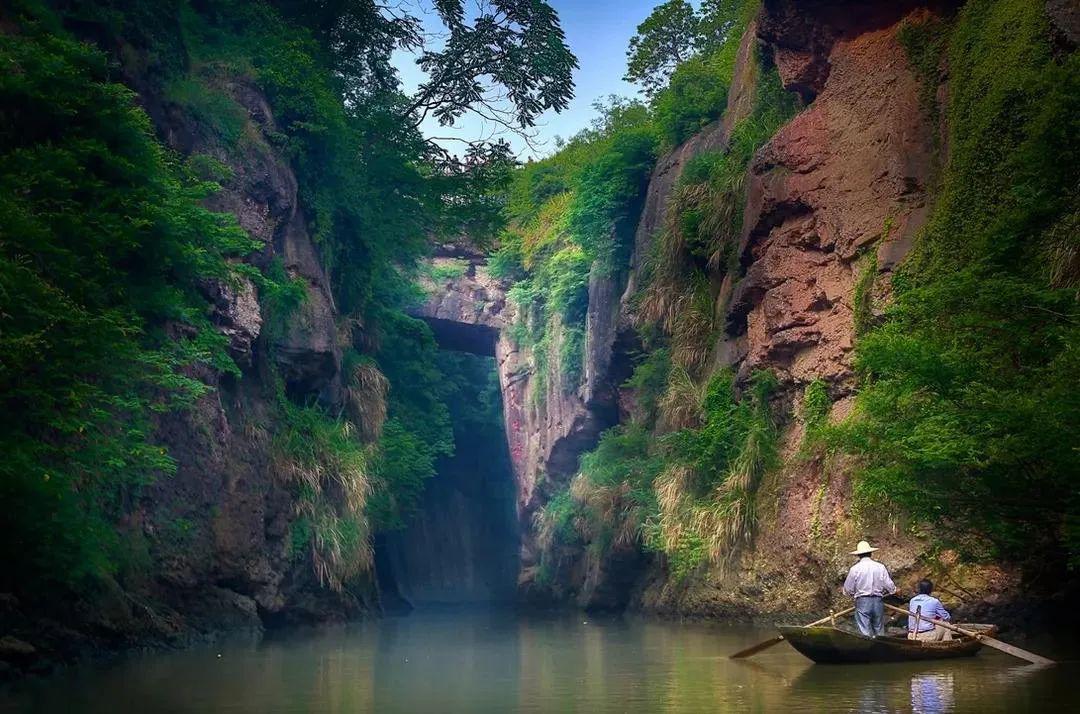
pixel 103 246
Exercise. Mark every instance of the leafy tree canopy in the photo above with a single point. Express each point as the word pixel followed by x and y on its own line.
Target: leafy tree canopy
pixel 669 36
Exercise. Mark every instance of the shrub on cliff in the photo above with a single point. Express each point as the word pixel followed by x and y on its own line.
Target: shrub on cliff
pixel 697 90
pixel 103 248
pixel 553 247
pixel 969 413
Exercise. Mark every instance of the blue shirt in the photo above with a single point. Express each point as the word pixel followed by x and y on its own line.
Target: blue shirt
pixel 931 609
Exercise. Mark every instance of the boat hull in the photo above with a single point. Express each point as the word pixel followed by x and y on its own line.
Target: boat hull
pixel 829 645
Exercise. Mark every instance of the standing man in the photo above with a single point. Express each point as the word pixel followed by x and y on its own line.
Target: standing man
pixel 929 609
pixel 868 581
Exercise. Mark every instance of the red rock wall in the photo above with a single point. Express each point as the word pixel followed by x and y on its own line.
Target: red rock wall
pixel 848 174
pixel 848 177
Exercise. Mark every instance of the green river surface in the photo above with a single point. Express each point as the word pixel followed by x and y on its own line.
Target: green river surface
pixel 448 661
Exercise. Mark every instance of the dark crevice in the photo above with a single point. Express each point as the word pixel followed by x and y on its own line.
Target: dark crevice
pixel 461 546
pixel 463 337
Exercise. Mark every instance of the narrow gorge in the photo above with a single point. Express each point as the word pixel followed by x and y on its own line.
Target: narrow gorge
pixel 271 356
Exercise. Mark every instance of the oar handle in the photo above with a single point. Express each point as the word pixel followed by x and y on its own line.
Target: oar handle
pixel 987 640
pixel 823 620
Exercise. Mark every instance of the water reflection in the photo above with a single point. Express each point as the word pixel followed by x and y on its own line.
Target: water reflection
pixel 932 693
pixel 500 662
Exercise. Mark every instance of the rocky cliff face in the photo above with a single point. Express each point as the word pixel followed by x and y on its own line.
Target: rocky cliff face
pixel 226 486
pixel 833 202
pixel 848 177
pixel 211 541
pixel 835 196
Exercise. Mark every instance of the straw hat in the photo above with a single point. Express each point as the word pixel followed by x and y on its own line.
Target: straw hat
pixel 863 548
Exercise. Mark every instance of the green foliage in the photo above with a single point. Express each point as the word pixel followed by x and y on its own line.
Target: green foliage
pixel 862 299
pixel 969 410
pixel 816 404
pixel 209 106
pixel 816 407
pixel 925 43
pixel 606 198
pixel 696 95
pixel 667 38
pixel 447 270
pixel 332 472
pixel 561 511
pixel 591 191
pixel 689 495
pixel 719 210
pixel 649 381
pixel 103 244
pixel 713 448
pixel 507 262
pixel 621 455
pixel 572 355
pixel 418 430
pixel 405 463
pixel 518 46
pixel 280 297
pixel 697 91
pixel 686 555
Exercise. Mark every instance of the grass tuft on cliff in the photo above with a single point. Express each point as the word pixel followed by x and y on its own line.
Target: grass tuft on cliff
pixel 689 495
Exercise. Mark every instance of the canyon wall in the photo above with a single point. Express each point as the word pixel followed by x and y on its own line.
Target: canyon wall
pixel 833 202
pixel 210 546
pixel 228 491
pixel 841 188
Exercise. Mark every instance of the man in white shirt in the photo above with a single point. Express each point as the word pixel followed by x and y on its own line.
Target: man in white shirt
pixel 868 581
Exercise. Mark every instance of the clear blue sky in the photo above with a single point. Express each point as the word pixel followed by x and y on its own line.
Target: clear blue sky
pixel 597 32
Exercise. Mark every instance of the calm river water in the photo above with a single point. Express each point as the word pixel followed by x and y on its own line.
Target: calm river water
pixel 503 662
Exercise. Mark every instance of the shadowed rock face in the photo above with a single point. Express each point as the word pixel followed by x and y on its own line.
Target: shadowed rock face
pixel 462 544
pixel 802 33
pixel 219 524
pixel 464 336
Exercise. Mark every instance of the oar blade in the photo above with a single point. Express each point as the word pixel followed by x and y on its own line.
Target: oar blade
pixel 1014 651
pixel 751 651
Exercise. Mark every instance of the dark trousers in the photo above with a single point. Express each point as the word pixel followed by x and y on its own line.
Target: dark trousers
pixel 870 615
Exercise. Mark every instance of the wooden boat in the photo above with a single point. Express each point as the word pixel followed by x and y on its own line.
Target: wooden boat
pixel 830 645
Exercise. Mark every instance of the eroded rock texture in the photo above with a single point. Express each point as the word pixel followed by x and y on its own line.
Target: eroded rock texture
pixel 847 176
pixel 836 195
pixel 466 307
pixel 221 522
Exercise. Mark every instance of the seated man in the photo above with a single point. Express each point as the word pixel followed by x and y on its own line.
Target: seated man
pixel 929 609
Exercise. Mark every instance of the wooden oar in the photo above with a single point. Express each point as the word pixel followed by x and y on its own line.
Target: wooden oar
pixel 987 640
pixel 750 651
